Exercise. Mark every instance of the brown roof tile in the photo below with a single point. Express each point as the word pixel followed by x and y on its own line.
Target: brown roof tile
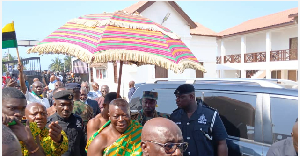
pixel 202 31
pixel 271 20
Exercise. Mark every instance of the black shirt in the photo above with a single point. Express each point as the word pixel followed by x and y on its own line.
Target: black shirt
pixel 47 78
pixel 73 127
pixel 195 128
pixel 282 148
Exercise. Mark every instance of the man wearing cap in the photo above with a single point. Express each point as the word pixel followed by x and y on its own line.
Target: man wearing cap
pixel 72 124
pixel 201 125
pixel 148 111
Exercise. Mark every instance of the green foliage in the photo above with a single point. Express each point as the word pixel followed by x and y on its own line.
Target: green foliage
pixel 56 65
pixel 68 63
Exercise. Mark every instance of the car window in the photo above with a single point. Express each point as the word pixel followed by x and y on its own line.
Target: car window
pixel 284 112
pixel 166 100
pixel 236 110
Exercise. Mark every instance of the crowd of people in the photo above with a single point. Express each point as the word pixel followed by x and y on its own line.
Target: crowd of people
pixel 61 116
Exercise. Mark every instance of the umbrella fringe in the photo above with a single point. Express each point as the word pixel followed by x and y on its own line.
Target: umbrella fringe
pixel 122 24
pixel 114 55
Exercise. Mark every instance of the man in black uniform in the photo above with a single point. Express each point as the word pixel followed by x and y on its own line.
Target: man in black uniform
pixel 201 125
pixel 70 123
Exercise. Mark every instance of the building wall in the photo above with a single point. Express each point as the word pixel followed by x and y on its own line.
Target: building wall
pixel 230 74
pixel 158 10
pixel 205 49
pixel 256 42
pixel 280 39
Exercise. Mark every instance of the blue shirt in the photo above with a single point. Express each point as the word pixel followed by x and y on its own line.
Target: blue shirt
pixel 130 93
pixel 194 128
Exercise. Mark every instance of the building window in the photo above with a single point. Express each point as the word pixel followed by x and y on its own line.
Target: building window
pixel 100 73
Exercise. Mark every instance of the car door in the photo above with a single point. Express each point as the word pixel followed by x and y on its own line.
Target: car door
pixel 241 118
pixel 279 115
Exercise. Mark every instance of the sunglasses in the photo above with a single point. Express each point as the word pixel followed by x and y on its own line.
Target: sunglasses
pixel 170 148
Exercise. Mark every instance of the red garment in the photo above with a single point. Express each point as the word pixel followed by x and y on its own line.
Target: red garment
pixel 100 101
pixel 4 79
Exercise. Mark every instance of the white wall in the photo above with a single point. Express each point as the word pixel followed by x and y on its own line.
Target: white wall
pixel 232 45
pixel 158 10
pixel 230 74
pixel 280 39
pixel 205 49
pixel 256 42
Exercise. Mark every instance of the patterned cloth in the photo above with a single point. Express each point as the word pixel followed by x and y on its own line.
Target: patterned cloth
pixel 127 145
pixel 142 119
pixel 133 37
pixel 50 147
pixel 83 110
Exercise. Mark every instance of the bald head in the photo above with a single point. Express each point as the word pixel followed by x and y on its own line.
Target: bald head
pixel 52 78
pixel 34 105
pixel 36 79
pixel 160 130
pixel 86 85
pixel 131 84
pixel 36 112
pixel 58 84
pixel 104 90
pixel 10 143
pixel 95 86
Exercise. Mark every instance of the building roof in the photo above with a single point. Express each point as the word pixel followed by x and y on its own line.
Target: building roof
pixel 203 31
pixel 284 18
pixel 270 21
pixel 142 5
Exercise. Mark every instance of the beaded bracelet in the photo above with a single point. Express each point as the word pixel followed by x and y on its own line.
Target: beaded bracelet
pixel 38 147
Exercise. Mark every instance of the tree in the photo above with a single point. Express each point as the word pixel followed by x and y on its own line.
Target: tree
pixel 68 63
pixel 5 59
pixel 56 65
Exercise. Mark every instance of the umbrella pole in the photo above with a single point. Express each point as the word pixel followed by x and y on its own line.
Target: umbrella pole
pixel 119 80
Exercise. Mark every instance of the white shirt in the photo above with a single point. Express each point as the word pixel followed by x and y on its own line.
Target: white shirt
pixel 31 98
pixel 94 94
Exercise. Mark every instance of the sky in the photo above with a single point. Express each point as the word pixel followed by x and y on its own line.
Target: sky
pixel 35 20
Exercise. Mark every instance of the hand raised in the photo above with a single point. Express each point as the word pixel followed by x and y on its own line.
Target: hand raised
pixel 11 83
pixel 6 119
pixel 22 132
pixel 55 131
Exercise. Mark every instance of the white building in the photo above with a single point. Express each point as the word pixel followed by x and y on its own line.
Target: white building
pixel 268 45
pixel 198 38
pixel 265 47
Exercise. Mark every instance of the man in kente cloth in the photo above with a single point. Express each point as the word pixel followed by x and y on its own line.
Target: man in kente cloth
pixel 99 120
pixel 120 136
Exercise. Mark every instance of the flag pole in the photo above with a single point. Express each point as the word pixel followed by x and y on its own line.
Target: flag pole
pixel 17 48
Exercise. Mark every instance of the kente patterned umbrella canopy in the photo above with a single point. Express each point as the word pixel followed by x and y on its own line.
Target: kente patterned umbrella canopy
pixel 119 36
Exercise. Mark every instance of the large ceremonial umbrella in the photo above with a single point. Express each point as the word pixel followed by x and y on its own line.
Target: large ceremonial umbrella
pixel 119 36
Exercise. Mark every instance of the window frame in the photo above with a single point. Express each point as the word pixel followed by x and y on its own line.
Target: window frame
pixel 258 123
pixel 268 124
pixel 95 73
